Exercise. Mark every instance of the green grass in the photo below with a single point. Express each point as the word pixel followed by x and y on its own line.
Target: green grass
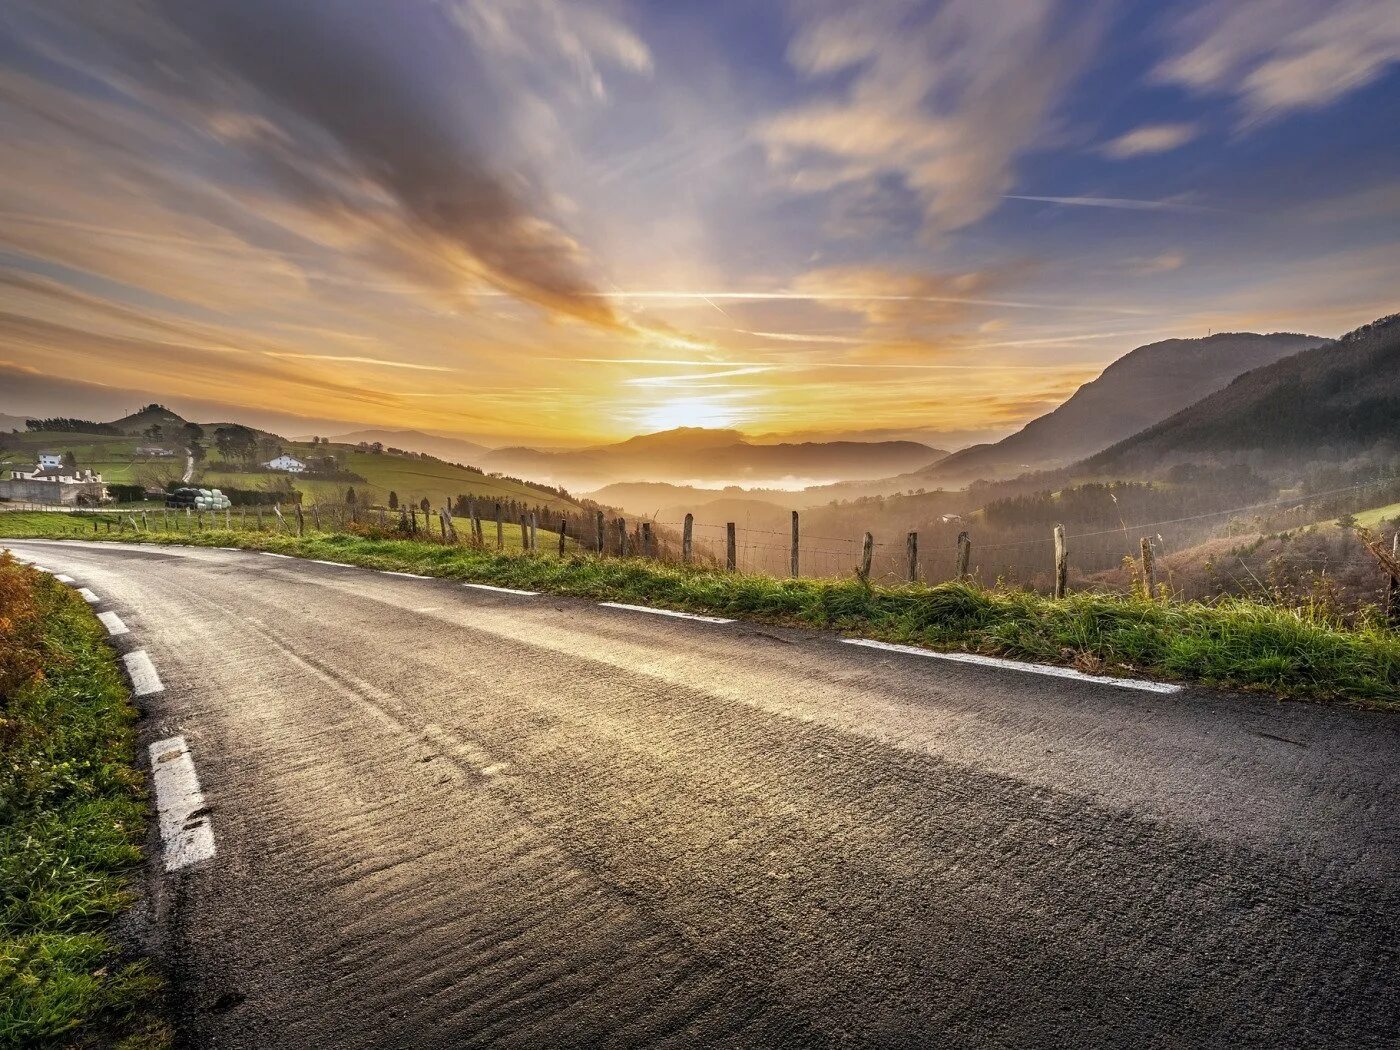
pixel 72 820
pixel 1371 518
pixel 1235 643
pixel 112 457
pixel 410 477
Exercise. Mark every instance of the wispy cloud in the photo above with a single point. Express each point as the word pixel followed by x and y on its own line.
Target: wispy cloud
pixel 1121 203
pixel 1278 56
pixel 1150 138
pixel 945 98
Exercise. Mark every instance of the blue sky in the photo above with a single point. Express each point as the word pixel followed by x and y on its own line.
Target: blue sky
pixel 562 221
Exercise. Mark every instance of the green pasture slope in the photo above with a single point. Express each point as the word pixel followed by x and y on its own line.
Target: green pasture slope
pixel 412 478
pixel 114 457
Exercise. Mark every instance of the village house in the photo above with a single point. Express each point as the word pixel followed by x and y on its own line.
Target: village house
pixel 52 484
pixel 290 464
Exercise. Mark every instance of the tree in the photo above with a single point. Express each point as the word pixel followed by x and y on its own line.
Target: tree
pixel 424 505
pixel 350 497
pixel 393 500
pixel 236 442
pixel 70 461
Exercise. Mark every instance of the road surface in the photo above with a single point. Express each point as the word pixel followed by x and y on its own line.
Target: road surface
pixel 444 816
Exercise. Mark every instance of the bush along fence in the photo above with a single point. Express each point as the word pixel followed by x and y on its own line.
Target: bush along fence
pixel 535 529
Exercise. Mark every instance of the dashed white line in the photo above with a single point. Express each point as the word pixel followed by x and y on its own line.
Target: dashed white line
pixel 88 596
pixel 667 612
pixel 270 554
pixel 64 578
pixel 1016 665
pixel 144 678
pixel 42 568
pixel 410 575
pixel 337 564
pixel 235 550
pixel 113 623
pixel 185 828
pixel 500 590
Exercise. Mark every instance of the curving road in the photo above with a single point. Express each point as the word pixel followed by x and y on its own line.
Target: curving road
pixel 450 817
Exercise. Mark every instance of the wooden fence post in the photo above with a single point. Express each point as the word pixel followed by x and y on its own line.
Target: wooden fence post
pixel 731 550
pixel 688 539
pixel 1149 574
pixel 563 532
pixel 911 546
pixel 534 533
pixel 475 523
pixel 524 533
pixel 867 553
pixel 301 521
pixel 598 536
pixel 1393 612
pixel 622 537
pixel 964 556
pixel 792 555
pixel 500 530
pixel 648 550
pixel 1061 562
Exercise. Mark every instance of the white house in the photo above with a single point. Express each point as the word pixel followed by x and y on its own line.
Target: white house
pixel 285 462
pixel 51 483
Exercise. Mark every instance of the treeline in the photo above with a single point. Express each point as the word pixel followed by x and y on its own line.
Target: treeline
pixel 79 426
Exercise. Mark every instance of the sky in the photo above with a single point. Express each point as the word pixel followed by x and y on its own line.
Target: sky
pixel 559 222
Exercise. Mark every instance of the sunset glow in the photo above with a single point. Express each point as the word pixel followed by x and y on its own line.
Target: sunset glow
pixel 553 227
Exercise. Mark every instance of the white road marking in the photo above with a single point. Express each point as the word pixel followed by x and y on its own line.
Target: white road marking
pixel 269 554
pixel 1017 665
pixel 144 678
pixel 88 596
pixel 235 550
pixel 64 578
pixel 42 568
pixel 500 590
pixel 113 623
pixel 184 822
pixel 410 575
pixel 337 564
pixel 667 612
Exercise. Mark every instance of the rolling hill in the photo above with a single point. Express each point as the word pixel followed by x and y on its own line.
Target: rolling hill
pixel 1141 388
pixel 453 450
pixel 698 454
pixel 1333 402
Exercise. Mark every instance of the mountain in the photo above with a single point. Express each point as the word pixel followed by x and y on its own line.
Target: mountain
pixel 453 450
pixel 152 415
pixel 1141 388
pixel 697 454
pixel 1336 401
pixel 8 423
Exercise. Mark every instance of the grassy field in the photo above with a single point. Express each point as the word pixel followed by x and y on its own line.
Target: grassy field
pixel 112 457
pixel 1292 652
pixel 1373 517
pixel 72 820
pixel 111 525
pixel 410 477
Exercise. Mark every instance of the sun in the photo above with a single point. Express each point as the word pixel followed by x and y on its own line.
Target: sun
pixel 710 412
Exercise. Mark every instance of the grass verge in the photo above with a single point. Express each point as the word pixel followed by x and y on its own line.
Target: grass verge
pixel 72 820
pixel 1298 653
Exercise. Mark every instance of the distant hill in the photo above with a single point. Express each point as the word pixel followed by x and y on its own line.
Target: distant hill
pixel 1141 388
pixel 453 450
pixel 150 416
pixel 8 423
pixel 697 454
pixel 1333 402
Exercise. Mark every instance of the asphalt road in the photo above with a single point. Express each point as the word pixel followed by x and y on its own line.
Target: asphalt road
pixel 448 817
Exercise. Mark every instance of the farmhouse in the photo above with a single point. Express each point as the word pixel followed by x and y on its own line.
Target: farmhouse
pixel 52 484
pixel 290 464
